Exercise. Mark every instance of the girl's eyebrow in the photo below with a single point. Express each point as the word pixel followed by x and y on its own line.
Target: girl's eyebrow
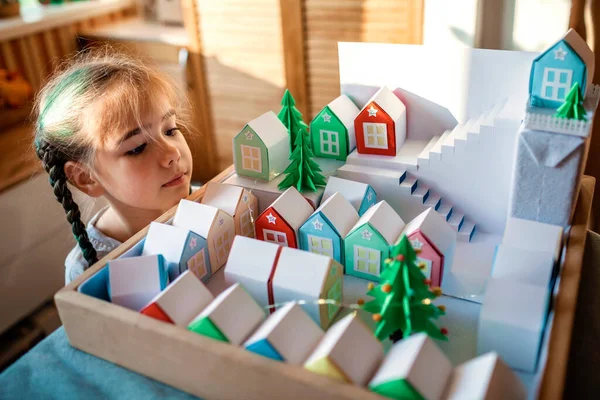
pixel 136 131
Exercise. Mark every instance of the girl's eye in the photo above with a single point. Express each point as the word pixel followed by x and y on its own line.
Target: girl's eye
pixel 172 132
pixel 137 150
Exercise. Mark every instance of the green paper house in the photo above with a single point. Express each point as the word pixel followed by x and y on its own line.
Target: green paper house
pixel 332 130
pixel 367 246
pixel 413 369
pixel 262 148
pixel 231 317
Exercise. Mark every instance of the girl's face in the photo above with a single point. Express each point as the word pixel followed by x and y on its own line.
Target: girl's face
pixel 146 167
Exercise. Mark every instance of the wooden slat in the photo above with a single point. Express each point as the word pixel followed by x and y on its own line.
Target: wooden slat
pixel 37 57
pixel 51 47
pixel 67 42
pixel 8 54
pixel 26 63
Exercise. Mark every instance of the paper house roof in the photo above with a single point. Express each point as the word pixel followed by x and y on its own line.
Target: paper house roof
pixel 250 262
pixel 292 207
pixel 196 217
pixel 388 102
pixel 270 129
pixel 223 196
pixel 384 220
pixel 167 240
pixel 435 227
pixel 353 191
pixel 340 213
pixel 302 271
pixel 345 110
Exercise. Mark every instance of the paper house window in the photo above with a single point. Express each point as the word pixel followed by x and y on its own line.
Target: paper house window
pixel 222 246
pixel 330 143
pixel 275 237
pixel 335 294
pixel 320 245
pixel 197 264
pixel 375 135
pixel 426 266
pixel 251 158
pixel 246 224
pixel 366 260
pixel 556 83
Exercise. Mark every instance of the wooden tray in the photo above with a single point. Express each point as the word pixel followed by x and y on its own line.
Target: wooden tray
pixel 215 370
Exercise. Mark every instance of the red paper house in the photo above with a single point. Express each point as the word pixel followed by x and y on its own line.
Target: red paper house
pixel 280 222
pixel 381 125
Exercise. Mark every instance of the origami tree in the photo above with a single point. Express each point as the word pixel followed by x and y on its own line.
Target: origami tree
pixel 572 107
pixel 402 303
pixel 291 118
pixel 303 172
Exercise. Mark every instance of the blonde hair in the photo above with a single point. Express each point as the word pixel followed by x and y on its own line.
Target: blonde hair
pixel 126 85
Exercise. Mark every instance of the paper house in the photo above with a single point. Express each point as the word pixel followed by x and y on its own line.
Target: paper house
pixel 434 240
pixel 348 352
pixel 367 245
pixel 300 275
pixel 134 281
pixel 262 148
pixel 486 377
pixel 414 368
pixel 279 223
pixel 556 70
pixel 360 195
pixel 181 301
pixel 546 175
pixel 288 335
pixel 235 201
pixel 534 236
pixel 511 321
pixel 211 223
pixel 324 231
pixel 332 130
pixel 182 249
pixel 231 317
pixel 251 263
pixel 523 265
pixel 381 125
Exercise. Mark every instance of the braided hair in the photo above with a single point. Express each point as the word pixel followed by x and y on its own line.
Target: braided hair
pixel 54 162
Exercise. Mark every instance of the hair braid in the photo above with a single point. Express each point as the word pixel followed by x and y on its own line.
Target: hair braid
pixel 53 162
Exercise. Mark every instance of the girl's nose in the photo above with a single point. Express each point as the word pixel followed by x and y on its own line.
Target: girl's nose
pixel 170 155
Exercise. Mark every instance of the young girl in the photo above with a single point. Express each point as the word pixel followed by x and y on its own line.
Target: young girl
pixel 110 126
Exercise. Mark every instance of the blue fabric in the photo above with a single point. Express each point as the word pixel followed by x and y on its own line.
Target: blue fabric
pixel 55 370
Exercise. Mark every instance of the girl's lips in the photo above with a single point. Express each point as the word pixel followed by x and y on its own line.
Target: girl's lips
pixel 178 180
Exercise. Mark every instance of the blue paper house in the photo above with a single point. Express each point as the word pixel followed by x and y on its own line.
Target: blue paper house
pixel 557 69
pixel 324 231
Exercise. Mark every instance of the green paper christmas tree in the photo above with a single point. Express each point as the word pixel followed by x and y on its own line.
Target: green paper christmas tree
pixel 572 108
pixel 402 303
pixel 291 118
pixel 303 172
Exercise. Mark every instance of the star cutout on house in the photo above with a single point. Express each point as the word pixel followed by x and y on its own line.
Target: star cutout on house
pixel 271 218
pixel 366 235
pixel 559 54
pixel 245 198
pixel 416 244
pixel 372 111
pixel 370 196
pixel 326 117
pixel 249 135
pixel 221 221
pixel 318 225
pixel 192 243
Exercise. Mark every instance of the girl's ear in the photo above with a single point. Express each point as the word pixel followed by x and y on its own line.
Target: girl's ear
pixel 79 176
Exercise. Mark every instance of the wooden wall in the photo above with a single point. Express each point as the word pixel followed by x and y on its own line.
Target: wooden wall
pixel 251 50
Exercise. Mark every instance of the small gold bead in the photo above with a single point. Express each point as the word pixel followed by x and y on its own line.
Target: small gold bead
pixel 442 308
pixel 387 288
pixel 376 317
pixel 360 302
pixel 426 302
pixel 370 286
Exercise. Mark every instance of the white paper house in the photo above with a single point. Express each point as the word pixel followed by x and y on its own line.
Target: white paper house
pixel 251 263
pixel 434 240
pixel 215 225
pixel 300 275
pixel 134 281
pixel 360 195
pixel 235 201
pixel 288 335
pixel 533 235
pixel 231 317
pixel 413 365
pixel 523 265
pixel 181 301
pixel 348 352
pixel 279 223
pixel 486 377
